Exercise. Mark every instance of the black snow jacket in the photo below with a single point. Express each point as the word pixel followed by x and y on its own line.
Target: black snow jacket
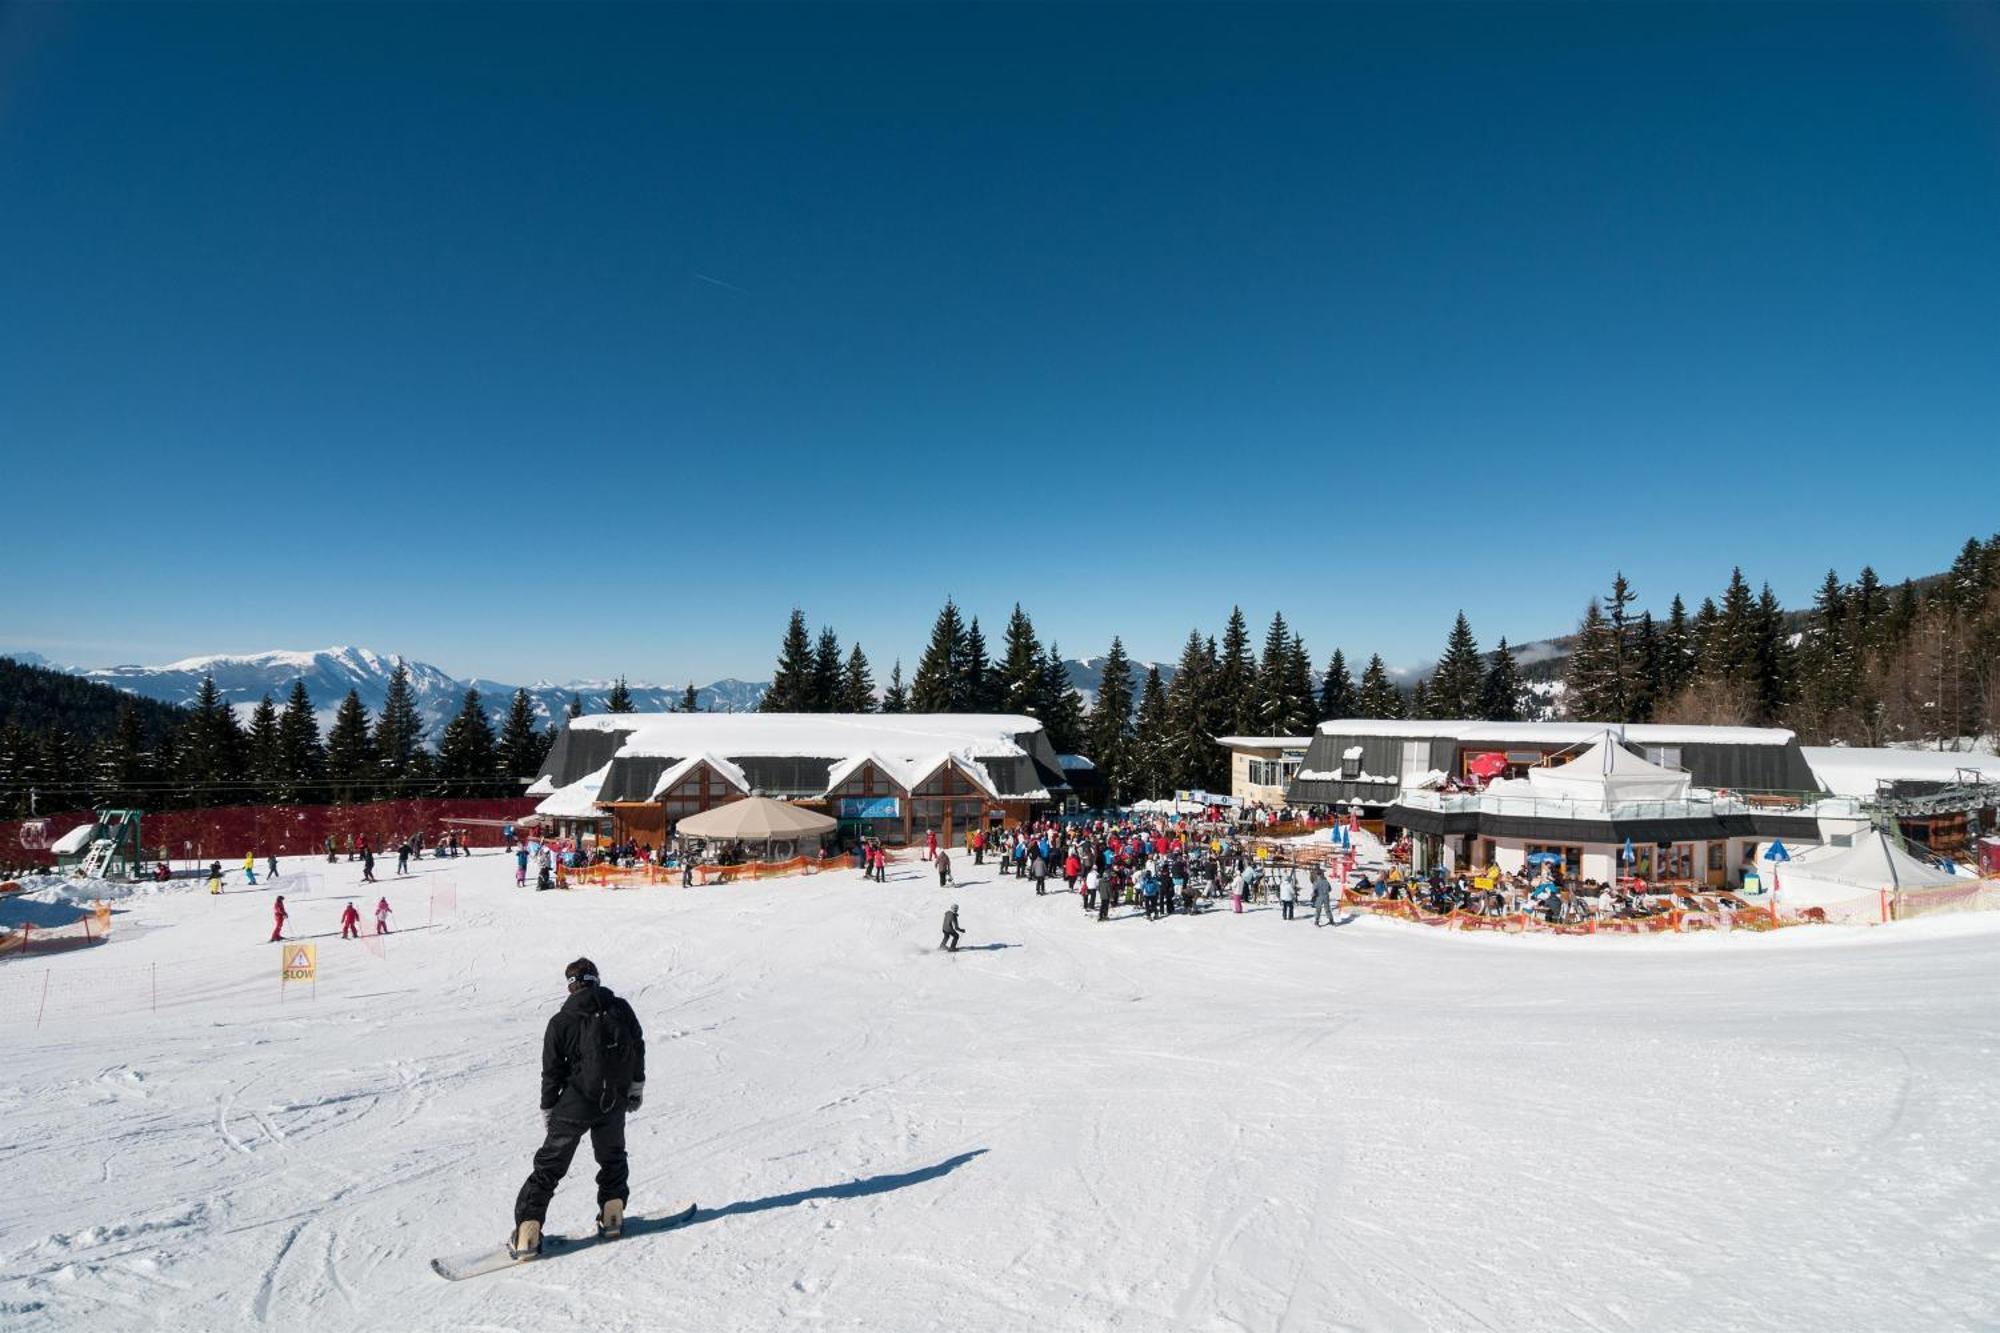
pixel 593 1029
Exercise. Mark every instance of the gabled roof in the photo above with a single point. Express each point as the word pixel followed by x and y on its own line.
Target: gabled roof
pixel 894 770
pixel 674 776
pixel 923 770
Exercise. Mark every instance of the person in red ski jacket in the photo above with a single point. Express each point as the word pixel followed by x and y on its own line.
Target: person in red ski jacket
pixel 278 918
pixel 930 845
pixel 350 923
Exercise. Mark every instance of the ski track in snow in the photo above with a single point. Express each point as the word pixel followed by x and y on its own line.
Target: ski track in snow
pixel 1229 1122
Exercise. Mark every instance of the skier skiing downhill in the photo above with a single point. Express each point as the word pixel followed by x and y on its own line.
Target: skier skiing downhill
pixel 350 923
pixel 278 918
pixel 593 1072
pixel 951 930
pixel 382 914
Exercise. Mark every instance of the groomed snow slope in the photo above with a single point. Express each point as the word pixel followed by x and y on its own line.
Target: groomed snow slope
pixel 1225 1122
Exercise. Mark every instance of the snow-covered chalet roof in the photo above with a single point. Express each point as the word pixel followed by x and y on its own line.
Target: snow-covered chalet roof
pixel 578 800
pixel 901 736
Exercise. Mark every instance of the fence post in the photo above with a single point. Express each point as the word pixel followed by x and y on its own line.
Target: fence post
pixel 27 940
pixel 43 1007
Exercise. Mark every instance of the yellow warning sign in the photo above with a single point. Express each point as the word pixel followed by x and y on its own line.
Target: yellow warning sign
pixel 300 962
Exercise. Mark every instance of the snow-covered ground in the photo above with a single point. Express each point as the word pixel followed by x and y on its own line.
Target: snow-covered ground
pixel 1223 1122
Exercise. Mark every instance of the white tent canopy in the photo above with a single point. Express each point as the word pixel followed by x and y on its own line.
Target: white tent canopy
pixel 1609 774
pixel 755 819
pixel 1822 876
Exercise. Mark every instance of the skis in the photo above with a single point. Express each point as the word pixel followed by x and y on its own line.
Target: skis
pixel 456 1268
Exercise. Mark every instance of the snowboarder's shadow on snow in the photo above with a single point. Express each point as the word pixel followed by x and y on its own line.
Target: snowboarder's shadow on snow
pixel 853 1189
pixel 983 948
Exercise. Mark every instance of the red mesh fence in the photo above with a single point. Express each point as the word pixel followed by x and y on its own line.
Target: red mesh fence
pixel 227 833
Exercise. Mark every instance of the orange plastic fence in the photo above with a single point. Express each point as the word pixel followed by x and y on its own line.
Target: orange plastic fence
pixel 92 929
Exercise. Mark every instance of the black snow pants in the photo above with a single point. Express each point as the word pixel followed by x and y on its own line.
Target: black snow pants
pixel 607 1141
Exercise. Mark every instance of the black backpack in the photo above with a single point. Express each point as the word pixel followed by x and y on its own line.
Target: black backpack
pixel 606 1055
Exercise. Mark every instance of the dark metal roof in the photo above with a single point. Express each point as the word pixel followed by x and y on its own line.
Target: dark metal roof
pixel 1718 766
pixel 577 754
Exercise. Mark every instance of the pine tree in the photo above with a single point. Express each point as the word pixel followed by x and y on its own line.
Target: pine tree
pixel 1622 687
pixel 1187 749
pixel 211 750
pixel 1501 691
pixel 119 769
pixel 857 683
pixel 1729 649
pixel 1111 728
pixel 1648 669
pixel 979 685
pixel 896 699
pixel 1062 707
pixel 64 770
pixel 1023 681
pixel 1378 697
pixel 1965 583
pixel 1302 707
pixel 691 703
pixel 574 709
pixel 1590 685
pixel 521 752
pixel 1422 705
pixel 826 672
pixel 791 689
pixel 1775 663
pixel 264 766
pixel 1336 692
pixel 1236 676
pixel 619 701
pixel 1151 744
pixel 16 770
pixel 1870 603
pixel 399 739
pixel 939 686
pixel 1677 652
pixel 468 762
pixel 1280 704
pixel 1457 684
pixel 351 773
pixel 301 758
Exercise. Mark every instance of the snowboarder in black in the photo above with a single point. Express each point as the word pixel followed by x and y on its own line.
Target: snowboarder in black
pixel 951 931
pixel 593 1072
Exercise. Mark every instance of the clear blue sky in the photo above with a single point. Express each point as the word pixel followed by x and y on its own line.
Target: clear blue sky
pixel 541 342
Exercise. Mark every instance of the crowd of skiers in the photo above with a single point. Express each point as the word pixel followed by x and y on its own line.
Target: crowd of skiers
pixel 1160 867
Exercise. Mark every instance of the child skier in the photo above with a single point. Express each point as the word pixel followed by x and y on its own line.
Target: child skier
pixel 382 917
pixel 350 923
pixel 277 918
pixel 951 930
pixel 249 867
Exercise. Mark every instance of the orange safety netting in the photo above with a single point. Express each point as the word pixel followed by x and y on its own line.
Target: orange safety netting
pixel 94 928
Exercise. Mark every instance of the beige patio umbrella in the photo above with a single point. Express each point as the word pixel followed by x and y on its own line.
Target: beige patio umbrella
pixel 756 819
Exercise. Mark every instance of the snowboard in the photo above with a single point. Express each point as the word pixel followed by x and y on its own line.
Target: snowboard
pixel 456 1268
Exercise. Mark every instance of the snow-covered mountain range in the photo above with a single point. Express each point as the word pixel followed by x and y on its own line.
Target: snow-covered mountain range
pixel 330 673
